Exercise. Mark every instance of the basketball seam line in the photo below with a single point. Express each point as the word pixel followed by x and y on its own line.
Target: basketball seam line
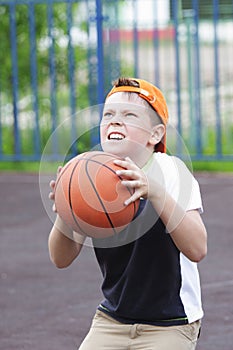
pixel 70 200
pixel 97 194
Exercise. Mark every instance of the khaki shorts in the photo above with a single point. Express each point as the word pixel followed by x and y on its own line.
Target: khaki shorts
pixel 108 334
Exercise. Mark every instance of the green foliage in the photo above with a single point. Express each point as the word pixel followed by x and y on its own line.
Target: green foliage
pixel 209 141
pixel 48 38
pixel 45 40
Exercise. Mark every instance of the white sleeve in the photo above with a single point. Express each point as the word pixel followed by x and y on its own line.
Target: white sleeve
pixel 195 198
pixel 180 183
pixel 187 188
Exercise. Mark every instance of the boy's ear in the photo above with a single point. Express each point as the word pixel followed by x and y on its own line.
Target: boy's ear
pixel 157 134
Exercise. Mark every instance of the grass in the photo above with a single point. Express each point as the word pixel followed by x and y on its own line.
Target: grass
pixel 213 166
pixel 50 167
pixel 28 167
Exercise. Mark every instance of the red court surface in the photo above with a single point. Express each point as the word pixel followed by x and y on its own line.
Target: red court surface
pixel 44 308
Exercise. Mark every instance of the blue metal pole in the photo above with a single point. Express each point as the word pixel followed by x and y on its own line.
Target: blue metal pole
pixel 34 82
pixel 1 125
pixel 1 150
pixel 114 47
pixel 100 52
pixel 117 61
pixel 156 43
pixel 91 54
pixel 216 74
pixel 71 74
pixel 188 14
pixel 14 62
pixel 53 83
pixel 95 137
pixel 178 85
pixel 135 38
pixel 197 80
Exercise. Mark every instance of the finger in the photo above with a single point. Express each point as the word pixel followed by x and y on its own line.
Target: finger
pixel 54 208
pixel 127 163
pixel 52 184
pixel 51 195
pixel 130 174
pixel 132 199
pixel 132 183
pixel 128 159
pixel 59 169
pixel 120 163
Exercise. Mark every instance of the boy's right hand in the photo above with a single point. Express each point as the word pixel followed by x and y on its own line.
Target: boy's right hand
pixel 52 186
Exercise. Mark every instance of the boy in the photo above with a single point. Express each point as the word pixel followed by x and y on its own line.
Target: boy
pixel 151 283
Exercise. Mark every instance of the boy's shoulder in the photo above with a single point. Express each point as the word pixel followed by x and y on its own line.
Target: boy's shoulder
pixel 169 170
pixel 178 180
pixel 166 161
pixel 171 162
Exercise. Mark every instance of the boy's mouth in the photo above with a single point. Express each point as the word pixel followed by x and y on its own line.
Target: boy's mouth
pixel 116 136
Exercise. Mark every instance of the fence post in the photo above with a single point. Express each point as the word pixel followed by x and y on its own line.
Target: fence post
pixel 14 62
pixel 135 39
pixel 95 137
pixel 71 75
pixel 216 75
pixel 34 82
pixel 197 80
pixel 176 13
pixel 156 43
pixel 188 16
pixel 100 54
pixel 53 80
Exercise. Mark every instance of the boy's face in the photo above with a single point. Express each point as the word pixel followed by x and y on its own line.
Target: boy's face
pixel 125 128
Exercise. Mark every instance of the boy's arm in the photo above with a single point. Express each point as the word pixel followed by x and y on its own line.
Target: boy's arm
pixel 185 227
pixel 64 244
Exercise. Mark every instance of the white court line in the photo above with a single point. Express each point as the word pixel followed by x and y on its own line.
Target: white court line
pixel 220 284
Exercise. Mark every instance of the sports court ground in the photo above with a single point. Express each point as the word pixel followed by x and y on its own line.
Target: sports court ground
pixel 43 308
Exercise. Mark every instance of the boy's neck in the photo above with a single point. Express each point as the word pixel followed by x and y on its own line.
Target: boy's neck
pixel 142 158
pixel 148 163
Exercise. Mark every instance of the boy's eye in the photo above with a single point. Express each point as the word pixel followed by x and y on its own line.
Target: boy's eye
pixel 131 115
pixel 107 115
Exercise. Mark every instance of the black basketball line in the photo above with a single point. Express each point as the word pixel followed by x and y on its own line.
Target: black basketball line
pixel 69 188
pixel 113 171
pixel 97 194
pixel 70 201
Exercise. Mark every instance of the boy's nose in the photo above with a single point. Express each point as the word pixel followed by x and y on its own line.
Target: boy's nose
pixel 116 122
pixel 117 119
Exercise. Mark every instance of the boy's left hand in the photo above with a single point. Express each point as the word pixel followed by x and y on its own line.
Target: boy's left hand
pixel 132 177
pixel 52 186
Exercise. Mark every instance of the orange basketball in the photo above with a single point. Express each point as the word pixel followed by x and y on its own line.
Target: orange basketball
pixel 89 196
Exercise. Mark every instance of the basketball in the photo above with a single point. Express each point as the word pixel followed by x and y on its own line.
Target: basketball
pixel 89 196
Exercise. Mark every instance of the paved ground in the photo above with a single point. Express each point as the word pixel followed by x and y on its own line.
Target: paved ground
pixel 43 308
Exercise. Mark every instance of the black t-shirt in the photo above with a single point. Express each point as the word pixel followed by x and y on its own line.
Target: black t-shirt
pixel 141 271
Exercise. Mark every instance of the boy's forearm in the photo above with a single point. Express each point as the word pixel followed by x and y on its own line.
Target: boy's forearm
pixel 63 249
pixel 185 227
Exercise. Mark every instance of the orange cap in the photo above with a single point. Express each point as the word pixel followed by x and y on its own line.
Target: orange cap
pixel 154 97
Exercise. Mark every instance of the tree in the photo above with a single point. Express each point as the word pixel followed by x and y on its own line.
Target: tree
pixel 49 23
